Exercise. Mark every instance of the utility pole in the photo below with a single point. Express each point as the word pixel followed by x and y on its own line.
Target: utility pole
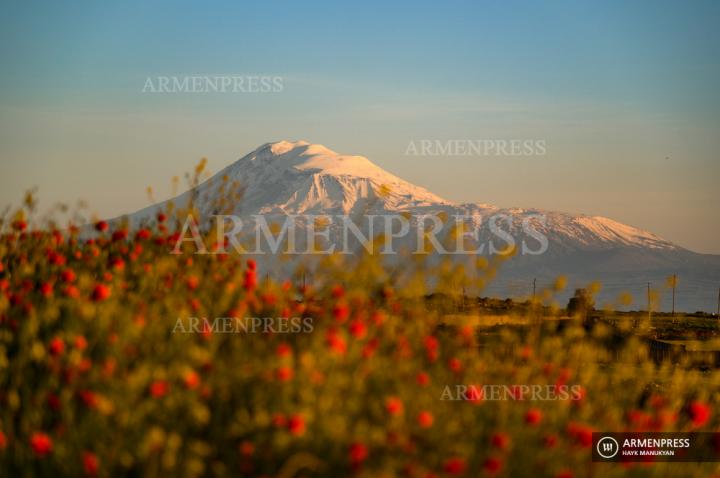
pixel 674 283
pixel 534 287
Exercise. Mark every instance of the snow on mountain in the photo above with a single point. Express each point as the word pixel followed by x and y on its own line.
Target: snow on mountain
pixel 300 178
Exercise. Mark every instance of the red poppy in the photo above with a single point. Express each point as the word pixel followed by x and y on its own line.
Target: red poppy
pixel 101 226
pixel 284 374
pixel 500 440
pixel 159 388
pixel 700 413
pixel 341 312
pixel 550 440
pixel 19 225
pixel 68 275
pixel 455 365
pixel 283 350
pixel 337 291
pixel 358 453
pixel 41 444
pixel 422 379
pixel 358 329
pixel 91 464
pixel 250 279
pixel 3 440
pixel 100 292
pixel 46 289
pixel 191 380
pixel 533 416
pixel 119 235
pixel 455 466
pixel 425 419
pixel 80 342
pixel 143 234
pixel 192 282
pixel 394 406
pixel 296 425
pixel 493 465
pixel 56 347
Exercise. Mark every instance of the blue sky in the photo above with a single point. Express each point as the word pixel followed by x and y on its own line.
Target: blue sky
pixel 614 87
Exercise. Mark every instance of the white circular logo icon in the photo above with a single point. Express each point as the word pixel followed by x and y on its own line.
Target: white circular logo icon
pixel 607 447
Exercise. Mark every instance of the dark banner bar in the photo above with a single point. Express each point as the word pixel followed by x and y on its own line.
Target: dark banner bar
pixel 656 446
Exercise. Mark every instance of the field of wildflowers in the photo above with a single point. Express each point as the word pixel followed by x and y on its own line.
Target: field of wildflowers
pixel 96 379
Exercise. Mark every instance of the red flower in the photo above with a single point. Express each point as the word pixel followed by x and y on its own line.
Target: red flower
pixel 72 291
pixel 284 374
pixel 161 217
pixel 192 282
pixel 296 425
pixel 88 397
pixel 91 464
pixel 455 466
pixel 46 289
pixel 19 225
pixel 455 365
pixel 191 380
pixel 119 235
pixel 550 440
pixel 3 440
pixel 700 413
pixel 337 291
pixel 500 440
pixel 68 275
pixel 358 453
pixel 101 226
pixel 431 348
pixel 56 347
pixel 279 420
pixel 336 343
pixel 341 312
pixel 80 342
pixel 358 329
pixel 475 394
pixel 142 234
pixel 251 265
pixel 493 465
pixel 581 433
pixel 41 444
pixel 422 379
pixel 283 350
pixel 159 388
pixel 393 406
pixel 533 416
pixel 425 419
pixel 100 292
pixel 564 474
pixel 250 281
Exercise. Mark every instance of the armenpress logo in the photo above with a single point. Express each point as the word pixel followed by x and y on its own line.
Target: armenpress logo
pixel 607 447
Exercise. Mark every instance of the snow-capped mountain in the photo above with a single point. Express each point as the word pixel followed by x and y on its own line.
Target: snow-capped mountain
pixel 300 178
